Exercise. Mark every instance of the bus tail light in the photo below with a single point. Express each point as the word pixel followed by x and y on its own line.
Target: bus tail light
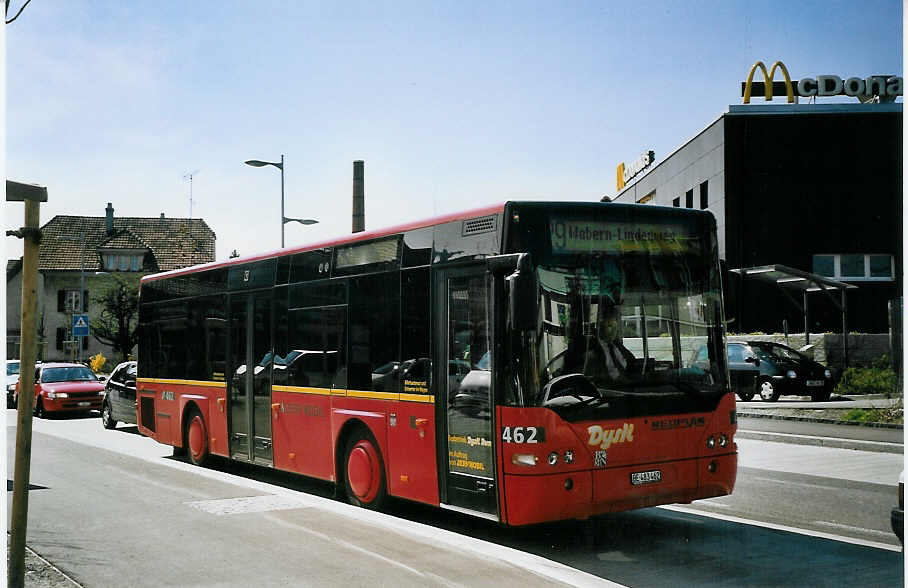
pixel 524 459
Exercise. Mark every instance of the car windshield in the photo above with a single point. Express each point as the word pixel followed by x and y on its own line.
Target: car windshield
pixel 771 352
pixel 12 368
pixel 632 326
pixel 68 374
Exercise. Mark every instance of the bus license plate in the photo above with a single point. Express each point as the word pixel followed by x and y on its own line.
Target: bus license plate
pixel 649 477
pixel 85 404
pixel 815 382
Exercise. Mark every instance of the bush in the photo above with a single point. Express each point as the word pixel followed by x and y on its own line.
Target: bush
pixel 879 378
pixel 97 362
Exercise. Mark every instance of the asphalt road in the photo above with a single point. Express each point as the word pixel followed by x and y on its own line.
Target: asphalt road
pixel 112 508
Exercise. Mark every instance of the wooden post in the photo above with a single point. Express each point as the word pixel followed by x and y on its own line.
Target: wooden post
pixel 32 196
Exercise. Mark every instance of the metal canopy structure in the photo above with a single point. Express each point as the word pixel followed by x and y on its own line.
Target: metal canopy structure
pixel 788 279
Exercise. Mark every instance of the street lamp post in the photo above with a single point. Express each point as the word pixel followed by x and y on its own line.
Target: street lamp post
pixel 284 219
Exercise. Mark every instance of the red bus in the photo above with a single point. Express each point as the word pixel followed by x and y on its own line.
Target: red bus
pixel 526 362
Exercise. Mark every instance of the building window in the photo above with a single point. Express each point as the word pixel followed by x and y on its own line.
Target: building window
pixel 854 266
pixel 123 263
pixel 647 198
pixel 880 266
pixel 824 265
pixel 689 199
pixel 677 202
pixel 851 266
pixel 69 301
pixel 704 195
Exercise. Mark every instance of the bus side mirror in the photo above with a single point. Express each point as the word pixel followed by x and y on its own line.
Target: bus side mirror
pixel 523 294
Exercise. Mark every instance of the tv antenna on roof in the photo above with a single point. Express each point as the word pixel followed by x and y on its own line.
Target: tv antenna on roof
pixel 188 176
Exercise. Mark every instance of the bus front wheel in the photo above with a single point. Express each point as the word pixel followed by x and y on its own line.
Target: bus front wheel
pixel 195 438
pixel 364 471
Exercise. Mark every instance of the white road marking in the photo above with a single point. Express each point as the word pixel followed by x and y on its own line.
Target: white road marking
pixel 246 504
pixel 853 528
pixel 786 528
pixel 345 544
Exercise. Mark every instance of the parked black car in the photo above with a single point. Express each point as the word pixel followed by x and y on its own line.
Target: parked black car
pixel 120 398
pixel 782 370
pixel 770 370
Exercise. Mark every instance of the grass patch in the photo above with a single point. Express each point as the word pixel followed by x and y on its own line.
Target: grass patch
pixel 893 415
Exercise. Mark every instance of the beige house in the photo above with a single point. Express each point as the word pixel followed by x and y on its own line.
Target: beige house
pixel 89 249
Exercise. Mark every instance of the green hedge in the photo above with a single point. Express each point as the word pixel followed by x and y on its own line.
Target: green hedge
pixel 877 379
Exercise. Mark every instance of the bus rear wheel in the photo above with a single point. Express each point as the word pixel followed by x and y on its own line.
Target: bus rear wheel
pixel 364 471
pixel 195 438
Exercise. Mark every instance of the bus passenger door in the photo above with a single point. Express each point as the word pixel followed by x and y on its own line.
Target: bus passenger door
pixel 250 381
pixel 463 342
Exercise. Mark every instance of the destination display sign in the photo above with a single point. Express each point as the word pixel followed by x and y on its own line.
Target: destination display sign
pixel 583 236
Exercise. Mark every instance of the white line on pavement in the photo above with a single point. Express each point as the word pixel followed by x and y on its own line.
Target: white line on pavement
pixel 797 530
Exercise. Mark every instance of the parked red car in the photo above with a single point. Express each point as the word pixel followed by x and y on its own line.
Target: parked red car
pixel 65 387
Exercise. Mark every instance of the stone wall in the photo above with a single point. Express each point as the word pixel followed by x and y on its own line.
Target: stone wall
pixel 824 348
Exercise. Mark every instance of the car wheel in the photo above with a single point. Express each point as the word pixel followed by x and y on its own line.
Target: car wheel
pixel 745 396
pixel 767 390
pixel 195 437
pixel 107 416
pixel 364 471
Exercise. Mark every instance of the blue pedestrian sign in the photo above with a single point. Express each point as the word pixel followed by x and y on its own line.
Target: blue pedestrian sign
pixel 80 325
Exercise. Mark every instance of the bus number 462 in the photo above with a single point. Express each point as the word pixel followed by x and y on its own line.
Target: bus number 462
pixel 522 434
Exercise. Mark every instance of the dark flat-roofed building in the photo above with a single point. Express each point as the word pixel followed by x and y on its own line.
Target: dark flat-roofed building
pixel 817 187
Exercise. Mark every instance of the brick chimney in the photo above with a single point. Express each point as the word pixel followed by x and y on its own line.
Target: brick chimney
pixel 108 222
pixel 359 212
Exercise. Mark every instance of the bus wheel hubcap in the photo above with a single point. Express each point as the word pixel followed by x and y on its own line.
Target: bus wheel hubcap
pixel 362 471
pixel 196 437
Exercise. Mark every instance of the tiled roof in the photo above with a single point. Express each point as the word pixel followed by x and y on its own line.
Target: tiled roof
pixel 123 239
pixel 173 243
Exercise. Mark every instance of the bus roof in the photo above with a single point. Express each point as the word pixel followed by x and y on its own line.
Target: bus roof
pixel 342 240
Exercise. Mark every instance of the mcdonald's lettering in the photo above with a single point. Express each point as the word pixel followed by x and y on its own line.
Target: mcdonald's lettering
pixel 885 88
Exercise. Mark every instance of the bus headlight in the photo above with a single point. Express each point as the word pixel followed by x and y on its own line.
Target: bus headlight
pixel 553 458
pixel 723 440
pixel 568 456
pixel 711 442
pixel 524 459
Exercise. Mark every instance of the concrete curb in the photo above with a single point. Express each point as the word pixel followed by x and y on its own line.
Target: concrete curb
pixel 782 417
pixel 835 442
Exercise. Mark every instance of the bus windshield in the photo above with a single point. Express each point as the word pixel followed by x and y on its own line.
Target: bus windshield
pixel 627 334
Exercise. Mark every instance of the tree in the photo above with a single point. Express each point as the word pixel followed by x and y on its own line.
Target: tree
pixel 117 323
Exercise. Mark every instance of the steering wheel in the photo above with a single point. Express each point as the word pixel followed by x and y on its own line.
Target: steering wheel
pixel 569 385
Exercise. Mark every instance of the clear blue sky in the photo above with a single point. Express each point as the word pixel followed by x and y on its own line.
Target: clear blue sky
pixel 451 105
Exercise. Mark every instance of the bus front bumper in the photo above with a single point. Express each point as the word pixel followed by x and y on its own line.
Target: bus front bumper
pixel 581 494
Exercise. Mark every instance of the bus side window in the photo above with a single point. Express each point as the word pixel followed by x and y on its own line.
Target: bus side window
pixel 414 293
pixel 374 327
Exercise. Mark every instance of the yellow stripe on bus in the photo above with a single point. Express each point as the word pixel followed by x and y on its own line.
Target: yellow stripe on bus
pixel 373 395
pixel 418 398
pixel 182 382
pixel 405 397
pixel 303 390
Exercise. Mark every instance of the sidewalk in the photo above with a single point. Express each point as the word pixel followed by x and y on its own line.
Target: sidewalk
pixel 821 423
